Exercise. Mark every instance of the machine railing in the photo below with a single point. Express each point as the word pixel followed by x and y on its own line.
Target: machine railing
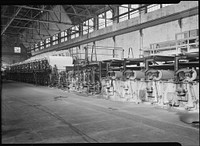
pixel 187 44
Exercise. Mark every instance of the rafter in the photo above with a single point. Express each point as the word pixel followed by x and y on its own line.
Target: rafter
pixel 21 27
pixel 39 9
pixel 42 21
pixel 88 11
pixel 29 20
pixel 57 19
pixel 76 12
pixel 13 17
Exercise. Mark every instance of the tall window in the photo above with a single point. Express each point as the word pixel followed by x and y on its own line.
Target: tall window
pixel 63 36
pixel 109 16
pixel 136 12
pixel 48 42
pixel 55 39
pixel 74 31
pixel 123 9
pixel 36 47
pixel 153 7
pixel 91 25
pixel 102 20
pixel 85 27
pixel 41 45
pixel 88 26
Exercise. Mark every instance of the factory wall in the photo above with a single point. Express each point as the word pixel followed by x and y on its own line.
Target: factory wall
pixel 155 34
pixel 7 50
pixel 160 33
pixel 141 39
pixel 10 59
pixel 190 23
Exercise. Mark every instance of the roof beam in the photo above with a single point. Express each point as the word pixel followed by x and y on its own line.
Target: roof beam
pixel 42 21
pixel 22 27
pixel 88 11
pixel 39 9
pixel 29 20
pixel 76 12
pixel 158 21
pixel 11 20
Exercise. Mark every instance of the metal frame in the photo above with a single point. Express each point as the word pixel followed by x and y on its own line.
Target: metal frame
pixel 172 17
pixel 42 21
pixel 11 20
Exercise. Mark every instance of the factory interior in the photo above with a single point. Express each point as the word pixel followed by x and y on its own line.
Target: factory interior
pixel 112 73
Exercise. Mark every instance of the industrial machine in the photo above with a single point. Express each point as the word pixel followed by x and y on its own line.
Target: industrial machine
pixel 42 71
pixel 160 77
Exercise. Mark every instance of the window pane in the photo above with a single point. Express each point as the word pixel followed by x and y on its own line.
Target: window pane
pixel 85 27
pixel 101 18
pixel 17 50
pixel 41 45
pixel 153 7
pixel 135 6
pixel 91 25
pixel 55 37
pixel 164 5
pixel 121 11
pixel 47 42
pixel 134 14
pixel 109 17
pixel 63 33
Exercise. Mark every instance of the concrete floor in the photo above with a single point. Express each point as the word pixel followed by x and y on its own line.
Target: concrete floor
pixel 37 114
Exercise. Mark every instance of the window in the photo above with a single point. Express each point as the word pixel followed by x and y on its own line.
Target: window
pixel 55 39
pixel 74 31
pixel 88 26
pixel 101 18
pixel 109 16
pixel 63 36
pixel 41 45
pixel 48 42
pixel 36 47
pixel 17 50
pixel 164 5
pixel 136 12
pixel 91 25
pixel 153 7
pixel 85 27
pixel 123 9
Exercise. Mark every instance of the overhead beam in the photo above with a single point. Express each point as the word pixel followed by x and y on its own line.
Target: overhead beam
pixel 39 9
pixel 165 19
pixel 76 12
pixel 42 21
pixel 57 19
pixel 11 20
pixel 23 15
pixel 29 20
pixel 21 27
pixel 87 10
pixel 131 11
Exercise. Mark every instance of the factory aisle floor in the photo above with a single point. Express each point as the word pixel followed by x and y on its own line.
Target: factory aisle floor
pixel 38 114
